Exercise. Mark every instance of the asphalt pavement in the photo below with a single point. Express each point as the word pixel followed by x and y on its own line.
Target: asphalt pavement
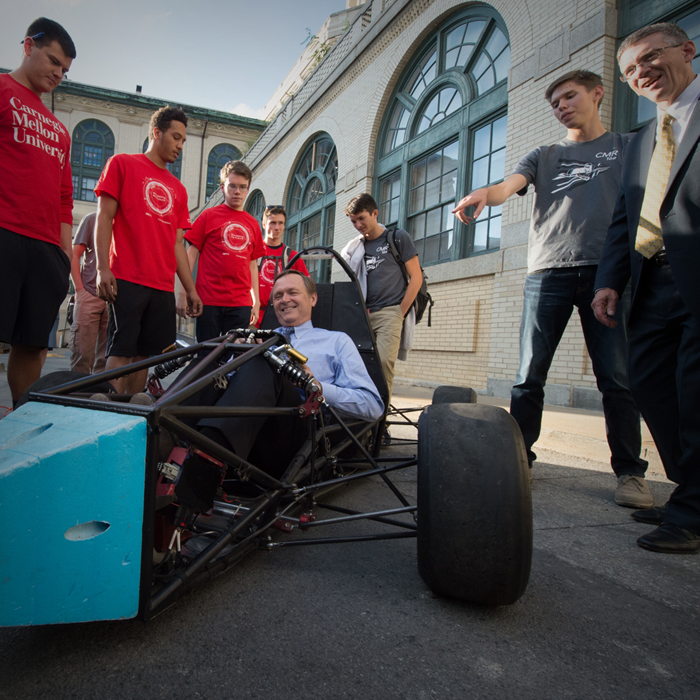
pixel 601 618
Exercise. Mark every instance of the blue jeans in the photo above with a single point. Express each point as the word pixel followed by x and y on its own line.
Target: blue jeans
pixel 550 296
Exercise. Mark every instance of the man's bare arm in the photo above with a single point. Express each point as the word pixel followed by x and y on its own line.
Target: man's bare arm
pixel 67 240
pixel 194 303
pixel 106 211
pixel 415 280
pixel 192 255
pixel 78 252
pixel 489 197
pixel 255 290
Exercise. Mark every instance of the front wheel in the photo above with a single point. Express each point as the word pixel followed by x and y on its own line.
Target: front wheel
pixel 474 504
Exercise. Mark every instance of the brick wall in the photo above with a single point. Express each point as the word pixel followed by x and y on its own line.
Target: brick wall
pixel 476 319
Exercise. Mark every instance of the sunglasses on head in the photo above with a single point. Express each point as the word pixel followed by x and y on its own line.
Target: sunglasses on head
pixel 274 206
pixel 36 36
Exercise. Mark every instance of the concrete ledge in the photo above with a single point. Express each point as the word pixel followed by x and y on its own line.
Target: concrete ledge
pixel 590 399
pixel 554 394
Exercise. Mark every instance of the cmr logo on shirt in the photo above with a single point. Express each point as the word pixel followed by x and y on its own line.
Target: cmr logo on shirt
pixel 235 237
pixel 158 197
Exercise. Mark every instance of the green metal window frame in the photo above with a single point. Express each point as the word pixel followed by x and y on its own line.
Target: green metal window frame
pixel 255 206
pixel 311 201
pixel 175 168
pixel 456 56
pixel 631 112
pixel 221 154
pixel 92 146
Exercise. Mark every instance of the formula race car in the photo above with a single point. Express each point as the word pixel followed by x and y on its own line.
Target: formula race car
pixel 112 509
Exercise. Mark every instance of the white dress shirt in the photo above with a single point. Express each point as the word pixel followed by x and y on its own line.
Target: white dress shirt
pixel 681 110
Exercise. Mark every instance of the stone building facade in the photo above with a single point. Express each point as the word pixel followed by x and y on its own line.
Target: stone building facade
pixel 104 122
pixel 418 103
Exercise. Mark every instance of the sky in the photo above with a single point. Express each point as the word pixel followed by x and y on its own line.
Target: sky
pixel 229 55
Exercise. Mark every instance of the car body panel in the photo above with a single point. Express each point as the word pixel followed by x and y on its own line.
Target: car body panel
pixel 71 512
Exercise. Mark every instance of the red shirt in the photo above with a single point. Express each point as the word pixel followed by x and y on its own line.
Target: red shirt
pixel 227 241
pixel 270 268
pixel 152 207
pixel 36 188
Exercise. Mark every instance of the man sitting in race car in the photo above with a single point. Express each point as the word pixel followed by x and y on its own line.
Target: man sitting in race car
pixel 334 362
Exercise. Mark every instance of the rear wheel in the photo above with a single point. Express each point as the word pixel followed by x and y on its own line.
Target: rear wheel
pixel 474 505
pixel 54 379
pixel 454 394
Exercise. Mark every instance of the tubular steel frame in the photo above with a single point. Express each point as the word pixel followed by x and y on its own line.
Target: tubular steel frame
pixel 316 469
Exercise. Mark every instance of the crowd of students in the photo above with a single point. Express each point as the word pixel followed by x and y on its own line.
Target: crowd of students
pixel 612 212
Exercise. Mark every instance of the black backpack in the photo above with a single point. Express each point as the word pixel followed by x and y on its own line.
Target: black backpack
pixel 423 298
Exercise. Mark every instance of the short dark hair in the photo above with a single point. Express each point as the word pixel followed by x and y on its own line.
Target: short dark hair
pixel 672 33
pixel 52 31
pixel 161 118
pixel 237 167
pixel 587 78
pixel 363 202
pixel 308 282
pixel 274 211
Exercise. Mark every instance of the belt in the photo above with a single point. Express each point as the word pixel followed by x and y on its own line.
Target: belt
pixel 660 259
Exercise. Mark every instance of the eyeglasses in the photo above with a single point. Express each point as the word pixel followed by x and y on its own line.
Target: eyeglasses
pixel 647 59
pixel 274 206
pixel 36 36
pixel 236 188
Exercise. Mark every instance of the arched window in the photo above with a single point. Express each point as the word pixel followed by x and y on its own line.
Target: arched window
pixel 218 157
pixel 93 145
pixel 175 168
pixel 255 206
pixel 444 134
pixel 311 202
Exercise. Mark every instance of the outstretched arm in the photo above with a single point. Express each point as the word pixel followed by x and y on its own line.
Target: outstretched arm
pixel 489 197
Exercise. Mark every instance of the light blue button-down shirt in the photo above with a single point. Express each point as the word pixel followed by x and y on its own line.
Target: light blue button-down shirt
pixel 336 363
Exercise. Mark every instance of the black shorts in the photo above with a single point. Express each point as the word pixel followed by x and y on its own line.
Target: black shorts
pixel 141 321
pixel 33 284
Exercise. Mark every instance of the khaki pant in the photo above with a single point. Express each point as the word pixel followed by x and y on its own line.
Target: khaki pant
pixel 88 334
pixel 386 324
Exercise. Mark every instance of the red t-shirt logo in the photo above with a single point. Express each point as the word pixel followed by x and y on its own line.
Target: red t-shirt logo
pixel 235 237
pixel 267 271
pixel 158 197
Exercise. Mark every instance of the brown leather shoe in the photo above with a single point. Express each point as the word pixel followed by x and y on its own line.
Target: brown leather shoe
pixel 671 539
pixel 633 492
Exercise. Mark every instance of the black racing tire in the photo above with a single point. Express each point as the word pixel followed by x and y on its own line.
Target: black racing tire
pixel 474 504
pixel 454 394
pixel 49 381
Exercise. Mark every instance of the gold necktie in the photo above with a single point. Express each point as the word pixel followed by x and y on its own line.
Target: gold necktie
pixel 649 239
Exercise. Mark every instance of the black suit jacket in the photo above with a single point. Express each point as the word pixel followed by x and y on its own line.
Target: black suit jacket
pixel 680 217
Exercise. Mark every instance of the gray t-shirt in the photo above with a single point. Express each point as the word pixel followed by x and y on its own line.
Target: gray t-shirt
pixel 86 237
pixel 385 281
pixel 576 187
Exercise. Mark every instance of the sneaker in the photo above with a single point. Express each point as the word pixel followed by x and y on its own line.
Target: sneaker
pixel 633 492
pixel 386 437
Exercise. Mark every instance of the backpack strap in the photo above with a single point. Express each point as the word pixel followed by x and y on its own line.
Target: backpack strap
pixel 391 239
